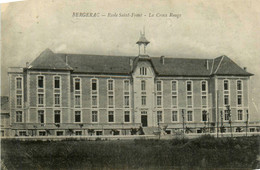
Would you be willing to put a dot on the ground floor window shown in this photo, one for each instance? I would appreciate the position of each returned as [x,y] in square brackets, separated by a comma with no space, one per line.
[94,116]
[19,116]
[159,116]
[127,116]
[59,133]
[42,133]
[226,115]
[22,133]
[174,116]
[40,116]
[110,116]
[252,129]
[2,133]
[240,115]
[99,133]
[189,116]
[78,133]
[56,116]
[77,116]
[204,116]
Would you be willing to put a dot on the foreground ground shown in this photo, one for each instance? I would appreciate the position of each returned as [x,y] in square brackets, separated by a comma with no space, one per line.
[204,152]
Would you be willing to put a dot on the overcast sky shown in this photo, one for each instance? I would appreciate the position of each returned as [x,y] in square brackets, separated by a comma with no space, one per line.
[205,29]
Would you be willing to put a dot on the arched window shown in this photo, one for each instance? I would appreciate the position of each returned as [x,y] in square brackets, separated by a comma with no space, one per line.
[143,71]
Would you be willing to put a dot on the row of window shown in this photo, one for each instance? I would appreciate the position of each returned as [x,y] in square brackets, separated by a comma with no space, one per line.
[111,116]
[77,116]
[126,84]
[238,86]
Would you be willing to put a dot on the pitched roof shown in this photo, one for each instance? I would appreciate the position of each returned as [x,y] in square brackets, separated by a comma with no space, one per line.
[103,64]
[48,60]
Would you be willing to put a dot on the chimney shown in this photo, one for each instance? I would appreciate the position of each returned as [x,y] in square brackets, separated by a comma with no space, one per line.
[245,68]
[207,64]
[27,64]
[131,63]
[162,59]
[66,59]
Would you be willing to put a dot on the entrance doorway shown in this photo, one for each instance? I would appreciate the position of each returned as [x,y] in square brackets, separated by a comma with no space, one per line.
[144,120]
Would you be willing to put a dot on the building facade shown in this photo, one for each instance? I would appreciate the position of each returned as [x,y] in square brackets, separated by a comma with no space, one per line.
[75,94]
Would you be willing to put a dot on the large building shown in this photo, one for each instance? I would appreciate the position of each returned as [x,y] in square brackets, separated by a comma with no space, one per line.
[79,94]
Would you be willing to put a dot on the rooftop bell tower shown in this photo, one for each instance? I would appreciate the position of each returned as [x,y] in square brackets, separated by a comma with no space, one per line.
[142,43]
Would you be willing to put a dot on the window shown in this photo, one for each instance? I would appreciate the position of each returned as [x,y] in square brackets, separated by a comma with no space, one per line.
[77,84]
[57,116]
[174,101]
[78,133]
[189,100]
[19,116]
[189,116]
[225,84]
[22,133]
[159,116]
[94,116]
[203,86]
[42,133]
[126,102]
[174,86]
[143,85]
[239,115]
[226,115]
[59,133]
[127,116]
[19,100]
[77,116]
[40,82]
[18,83]
[226,99]
[110,116]
[189,88]
[126,85]
[143,100]
[204,100]
[110,85]
[57,99]
[239,85]
[239,99]
[99,133]
[77,100]
[174,116]
[56,82]
[159,100]
[110,100]
[40,116]
[40,98]
[204,116]
[159,86]
[94,100]
[94,84]
[143,71]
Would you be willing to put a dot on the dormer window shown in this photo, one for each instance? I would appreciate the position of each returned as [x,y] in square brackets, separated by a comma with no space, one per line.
[143,71]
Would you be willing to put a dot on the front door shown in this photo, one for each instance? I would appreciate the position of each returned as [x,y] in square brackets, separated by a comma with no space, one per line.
[144,120]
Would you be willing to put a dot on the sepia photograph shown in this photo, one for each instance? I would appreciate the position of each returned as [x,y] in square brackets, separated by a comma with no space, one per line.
[120,84]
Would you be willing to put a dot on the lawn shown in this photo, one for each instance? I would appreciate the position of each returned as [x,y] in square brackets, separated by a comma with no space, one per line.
[204,152]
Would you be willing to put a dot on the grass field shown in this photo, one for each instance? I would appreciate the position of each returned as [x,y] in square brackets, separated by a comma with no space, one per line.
[204,152]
